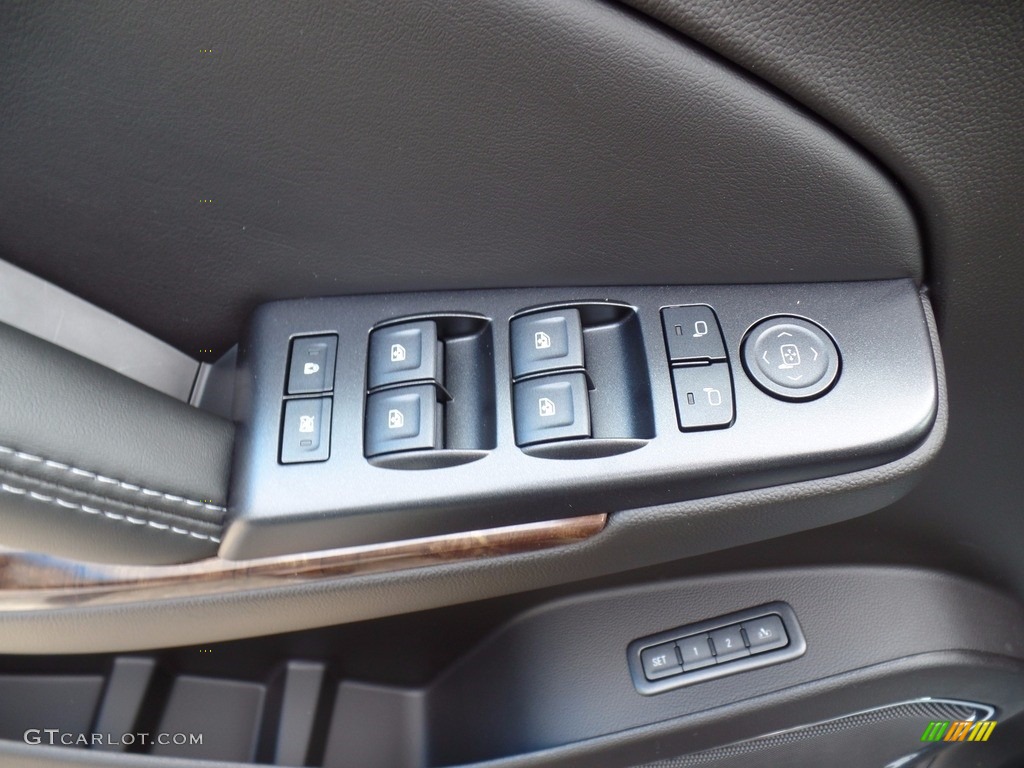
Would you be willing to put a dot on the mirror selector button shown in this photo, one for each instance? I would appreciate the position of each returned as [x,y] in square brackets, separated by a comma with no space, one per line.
[728,644]
[312,364]
[791,358]
[692,334]
[306,432]
[765,634]
[403,419]
[703,396]
[405,352]
[546,341]
[661,661]
[551,408]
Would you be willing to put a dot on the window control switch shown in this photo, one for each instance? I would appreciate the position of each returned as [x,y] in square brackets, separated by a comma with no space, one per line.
[306,432]
[546,341]
[403,419]
[551,408]
[405,352]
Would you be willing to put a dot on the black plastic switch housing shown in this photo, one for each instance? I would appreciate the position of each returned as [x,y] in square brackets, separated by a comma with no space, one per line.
[716,647]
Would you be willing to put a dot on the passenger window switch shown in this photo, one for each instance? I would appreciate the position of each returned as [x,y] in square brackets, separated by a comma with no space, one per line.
[551,408]
[404,353]
[403,419]
[546,341]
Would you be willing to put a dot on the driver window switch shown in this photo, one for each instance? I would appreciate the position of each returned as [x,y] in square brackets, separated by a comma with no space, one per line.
[403,419]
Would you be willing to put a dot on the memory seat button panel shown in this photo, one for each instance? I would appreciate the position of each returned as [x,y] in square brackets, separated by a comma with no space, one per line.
[699,652]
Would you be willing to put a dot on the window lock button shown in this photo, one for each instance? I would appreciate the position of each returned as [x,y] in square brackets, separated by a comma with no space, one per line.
[306,434]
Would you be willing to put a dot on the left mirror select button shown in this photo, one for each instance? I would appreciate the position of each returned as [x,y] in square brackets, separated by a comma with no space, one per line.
[306,435]
[312,364]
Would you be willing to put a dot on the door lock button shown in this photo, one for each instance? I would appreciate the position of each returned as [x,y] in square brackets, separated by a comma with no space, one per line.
[312,364]
[692,334]
[703,396]
[791,358]
[405,352]
[546,341]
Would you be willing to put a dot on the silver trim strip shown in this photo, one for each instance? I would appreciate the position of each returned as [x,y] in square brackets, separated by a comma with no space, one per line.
[40,308]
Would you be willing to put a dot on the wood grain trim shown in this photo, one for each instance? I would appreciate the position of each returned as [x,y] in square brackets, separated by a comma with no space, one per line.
[31,581]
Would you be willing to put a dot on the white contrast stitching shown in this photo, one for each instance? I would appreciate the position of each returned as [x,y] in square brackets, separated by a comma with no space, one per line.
[111,515]
[109,480]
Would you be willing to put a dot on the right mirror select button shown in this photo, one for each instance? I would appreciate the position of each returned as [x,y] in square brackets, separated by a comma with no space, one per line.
[791,358]
[765,634]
